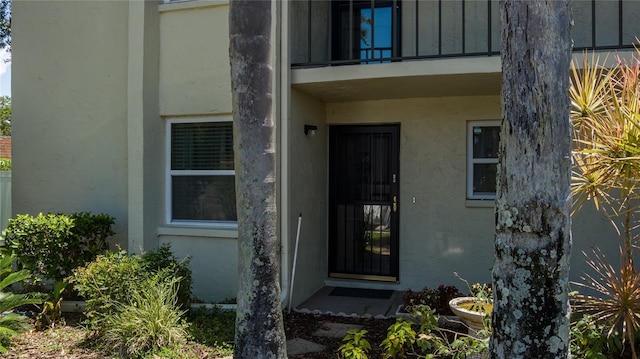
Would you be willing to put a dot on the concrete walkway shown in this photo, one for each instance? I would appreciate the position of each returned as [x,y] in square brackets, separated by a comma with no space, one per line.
[322,302]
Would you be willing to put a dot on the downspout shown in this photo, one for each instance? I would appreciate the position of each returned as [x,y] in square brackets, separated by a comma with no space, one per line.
[281,29]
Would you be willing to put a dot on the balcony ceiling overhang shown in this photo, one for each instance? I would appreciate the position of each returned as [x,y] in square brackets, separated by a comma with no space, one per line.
[443,77]
[475,76]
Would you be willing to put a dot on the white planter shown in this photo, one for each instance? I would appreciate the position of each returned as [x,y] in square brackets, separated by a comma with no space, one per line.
[475,320]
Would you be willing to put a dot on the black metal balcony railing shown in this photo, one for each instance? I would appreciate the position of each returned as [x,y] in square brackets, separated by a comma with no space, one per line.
[338,32]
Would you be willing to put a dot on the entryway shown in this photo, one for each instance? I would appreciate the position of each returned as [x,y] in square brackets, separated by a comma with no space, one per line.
[364,202]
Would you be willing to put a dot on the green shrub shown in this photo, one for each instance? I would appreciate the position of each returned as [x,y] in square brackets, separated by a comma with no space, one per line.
[113,277]
[162,259]
[52,245]
[149,320]
[5,164]
[589,339]
[107,280]
[354,345]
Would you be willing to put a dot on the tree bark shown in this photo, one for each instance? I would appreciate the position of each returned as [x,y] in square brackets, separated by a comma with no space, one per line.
[533,228]
[259,322]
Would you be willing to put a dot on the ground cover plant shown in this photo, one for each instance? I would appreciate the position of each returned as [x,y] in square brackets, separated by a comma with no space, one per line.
[11,323]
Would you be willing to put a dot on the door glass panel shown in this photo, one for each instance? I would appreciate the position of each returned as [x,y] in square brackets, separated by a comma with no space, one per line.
[364,234]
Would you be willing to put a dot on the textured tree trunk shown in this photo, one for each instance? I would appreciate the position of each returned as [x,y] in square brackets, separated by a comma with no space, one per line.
[259,323]
[533,227]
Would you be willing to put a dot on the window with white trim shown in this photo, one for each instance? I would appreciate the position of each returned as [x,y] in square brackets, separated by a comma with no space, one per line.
[483,141]
[200,171]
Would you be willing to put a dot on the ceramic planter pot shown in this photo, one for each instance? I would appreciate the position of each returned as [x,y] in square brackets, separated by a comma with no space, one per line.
[474,319]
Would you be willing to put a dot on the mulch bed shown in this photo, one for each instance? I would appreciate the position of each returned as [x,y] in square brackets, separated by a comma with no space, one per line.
[71,341]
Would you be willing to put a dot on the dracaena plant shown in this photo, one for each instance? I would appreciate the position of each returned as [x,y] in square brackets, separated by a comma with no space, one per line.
[606,115]
[617,304]
[605,111]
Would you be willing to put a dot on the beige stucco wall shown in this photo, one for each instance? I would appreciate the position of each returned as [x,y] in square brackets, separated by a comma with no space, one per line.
[69,91]
[308,194]
[442,232]
[194,81]
[194,59]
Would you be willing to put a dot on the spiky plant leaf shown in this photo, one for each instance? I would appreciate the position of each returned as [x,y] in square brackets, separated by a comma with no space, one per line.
[617,304]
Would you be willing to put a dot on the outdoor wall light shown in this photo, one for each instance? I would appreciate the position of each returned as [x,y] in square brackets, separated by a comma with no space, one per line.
[310,130]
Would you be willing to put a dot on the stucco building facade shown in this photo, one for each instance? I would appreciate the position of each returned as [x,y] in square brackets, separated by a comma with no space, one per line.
[124,107]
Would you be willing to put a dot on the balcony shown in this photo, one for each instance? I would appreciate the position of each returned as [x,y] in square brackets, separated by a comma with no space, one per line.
[344,32]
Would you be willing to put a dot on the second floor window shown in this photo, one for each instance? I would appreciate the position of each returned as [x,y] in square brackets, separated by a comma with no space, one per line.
[483,141]
[201,175]
[366,31]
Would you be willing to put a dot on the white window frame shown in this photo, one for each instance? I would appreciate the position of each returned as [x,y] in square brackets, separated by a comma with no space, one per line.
[170,173]
[472,161]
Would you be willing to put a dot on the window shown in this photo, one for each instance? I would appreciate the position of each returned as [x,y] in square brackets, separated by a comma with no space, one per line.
[200,175]
[482,159]
[367,31]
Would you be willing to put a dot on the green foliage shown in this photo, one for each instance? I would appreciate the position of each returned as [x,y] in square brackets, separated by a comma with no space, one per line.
[149,320]
[589,340]
[13,323]
[109,279]
[113,277]
[162,259]
[52,245]
[5,24]
[354,346]
[429,341]
[5,102]
[5,164]
[400,338]
[51,313]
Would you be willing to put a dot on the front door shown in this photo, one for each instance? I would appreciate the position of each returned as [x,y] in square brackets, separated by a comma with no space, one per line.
[363,200]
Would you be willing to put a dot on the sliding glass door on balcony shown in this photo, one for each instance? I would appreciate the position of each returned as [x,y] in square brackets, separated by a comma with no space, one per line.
[365,31]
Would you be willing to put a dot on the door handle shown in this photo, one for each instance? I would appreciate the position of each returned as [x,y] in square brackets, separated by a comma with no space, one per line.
[395,204]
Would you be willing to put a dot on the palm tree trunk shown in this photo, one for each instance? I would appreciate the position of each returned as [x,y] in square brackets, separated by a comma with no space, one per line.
[259,322]
[533,229]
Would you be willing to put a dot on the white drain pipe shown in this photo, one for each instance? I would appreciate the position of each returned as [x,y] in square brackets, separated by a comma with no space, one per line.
[295,259]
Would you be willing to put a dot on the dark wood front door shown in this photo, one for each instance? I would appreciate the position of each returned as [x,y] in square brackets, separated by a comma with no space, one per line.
[364,202]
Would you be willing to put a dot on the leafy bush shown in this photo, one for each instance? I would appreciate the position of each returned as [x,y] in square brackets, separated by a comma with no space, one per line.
[105,281]
[428,341]
[113,277]
[12,323]
[52,245]
[589,340]
[149,320]
[5,164]
[162,259]
[354,346]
